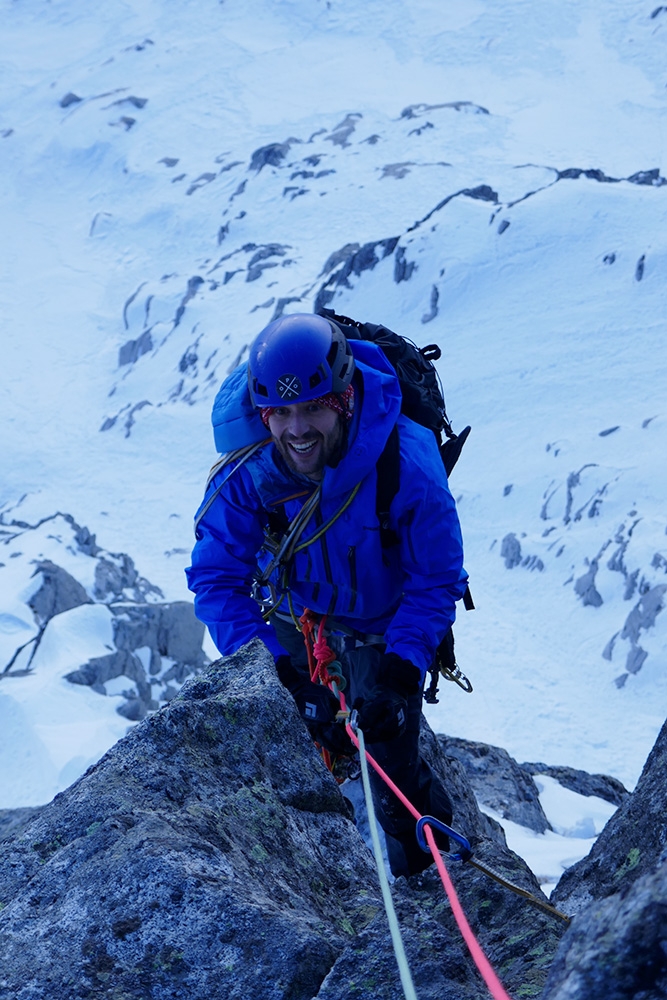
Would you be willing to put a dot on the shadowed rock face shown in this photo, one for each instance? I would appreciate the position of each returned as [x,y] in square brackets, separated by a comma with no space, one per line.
[498,781]
[617,946]
[207,852]
[210,855]
[630,844]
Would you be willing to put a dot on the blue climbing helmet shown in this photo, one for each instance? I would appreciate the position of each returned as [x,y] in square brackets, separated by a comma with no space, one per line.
[297,358]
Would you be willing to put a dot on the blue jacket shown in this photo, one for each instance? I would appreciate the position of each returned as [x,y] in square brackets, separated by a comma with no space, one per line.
[406,592]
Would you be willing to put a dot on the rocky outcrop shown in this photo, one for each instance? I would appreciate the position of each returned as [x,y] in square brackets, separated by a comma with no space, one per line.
[604,786]
[157,647]
[59,591]
[499,782]
[211,855]
[631,843]
[617,946]
[156,644]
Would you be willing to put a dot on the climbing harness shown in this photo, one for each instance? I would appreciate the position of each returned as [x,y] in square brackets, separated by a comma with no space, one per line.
[288,547]
[325,668]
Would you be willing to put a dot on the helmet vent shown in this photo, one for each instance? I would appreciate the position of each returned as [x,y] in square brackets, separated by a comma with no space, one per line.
[318,376]
[259,389]
[332,354]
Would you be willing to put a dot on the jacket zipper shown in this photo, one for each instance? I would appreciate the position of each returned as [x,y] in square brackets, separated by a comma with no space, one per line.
[352,560]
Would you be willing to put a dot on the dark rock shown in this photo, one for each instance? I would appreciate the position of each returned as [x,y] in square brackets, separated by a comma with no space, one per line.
[271,155]
[639,270]
[631,843]
[209,855]
[482,192]
[258,262]
[403,269]
[468,818]
[171,629]
[85,540]
[433,305]
[194,284]
[353,260]
[281,303]
[617,946]
[518,941]
[201,181]
[59,592]
[342,132]
[117,579]
[650,177]
[69,99]
[14,821]
[132,350]
[573,173]
[193,860]
[602,785]
[498,781]
[414,110]
[503,225]
[585,588]
[510,550]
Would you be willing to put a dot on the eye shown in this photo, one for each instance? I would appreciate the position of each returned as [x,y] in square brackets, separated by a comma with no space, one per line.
[279,411]
[314,408]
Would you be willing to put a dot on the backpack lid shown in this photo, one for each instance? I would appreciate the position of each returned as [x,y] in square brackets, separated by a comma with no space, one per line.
[236,422]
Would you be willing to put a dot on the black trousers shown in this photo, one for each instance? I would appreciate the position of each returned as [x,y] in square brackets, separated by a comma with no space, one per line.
[399,757]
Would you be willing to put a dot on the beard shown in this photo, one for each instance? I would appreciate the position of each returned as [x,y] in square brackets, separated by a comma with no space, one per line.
[309,454]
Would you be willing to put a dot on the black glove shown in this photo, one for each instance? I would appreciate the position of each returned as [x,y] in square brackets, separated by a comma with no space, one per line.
[398,674]
[384,714]
[333,737]
[316,703]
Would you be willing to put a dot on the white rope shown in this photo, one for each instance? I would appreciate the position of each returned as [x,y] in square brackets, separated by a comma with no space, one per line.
[396,940]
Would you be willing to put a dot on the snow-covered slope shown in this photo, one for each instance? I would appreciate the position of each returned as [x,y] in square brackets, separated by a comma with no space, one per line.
[488,178]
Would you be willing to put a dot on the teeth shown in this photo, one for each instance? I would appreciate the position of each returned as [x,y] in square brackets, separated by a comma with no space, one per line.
[302,449]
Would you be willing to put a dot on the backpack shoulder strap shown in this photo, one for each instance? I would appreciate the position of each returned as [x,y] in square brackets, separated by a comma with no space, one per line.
[388,481]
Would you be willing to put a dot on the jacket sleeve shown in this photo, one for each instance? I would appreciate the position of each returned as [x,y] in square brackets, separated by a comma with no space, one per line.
[224,557]
[431,553]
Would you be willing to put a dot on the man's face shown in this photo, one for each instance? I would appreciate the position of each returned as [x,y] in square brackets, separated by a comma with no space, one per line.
[307,435]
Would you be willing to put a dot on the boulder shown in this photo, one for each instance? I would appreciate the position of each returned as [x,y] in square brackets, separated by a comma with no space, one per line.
[602,785]
[498,781]
[59,591]
[210,854]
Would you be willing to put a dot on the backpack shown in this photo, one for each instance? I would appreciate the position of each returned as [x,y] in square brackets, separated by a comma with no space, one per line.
[424,402]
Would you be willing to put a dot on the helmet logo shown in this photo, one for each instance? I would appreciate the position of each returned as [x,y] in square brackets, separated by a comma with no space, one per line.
[288,387]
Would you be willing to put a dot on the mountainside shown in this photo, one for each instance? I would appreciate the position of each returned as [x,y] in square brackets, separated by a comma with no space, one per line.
[489,179]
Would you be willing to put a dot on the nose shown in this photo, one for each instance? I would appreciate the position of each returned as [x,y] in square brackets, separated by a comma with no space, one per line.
[298,424]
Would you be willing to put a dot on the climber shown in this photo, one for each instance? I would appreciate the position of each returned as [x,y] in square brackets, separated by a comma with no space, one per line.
[298,512]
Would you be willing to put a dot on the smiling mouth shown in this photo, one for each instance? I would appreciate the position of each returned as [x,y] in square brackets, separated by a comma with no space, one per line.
[303,448]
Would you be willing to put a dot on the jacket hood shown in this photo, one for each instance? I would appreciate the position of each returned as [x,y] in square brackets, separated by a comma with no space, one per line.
[375,414]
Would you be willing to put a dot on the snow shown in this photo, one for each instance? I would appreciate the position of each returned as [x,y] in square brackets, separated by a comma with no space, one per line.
[576,820]
[135,216]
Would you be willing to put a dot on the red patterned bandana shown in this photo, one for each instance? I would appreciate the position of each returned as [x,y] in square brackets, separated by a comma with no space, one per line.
[342,403]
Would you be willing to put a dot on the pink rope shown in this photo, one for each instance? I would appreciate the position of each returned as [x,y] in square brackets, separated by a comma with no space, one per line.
[494,985]
[322,657]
